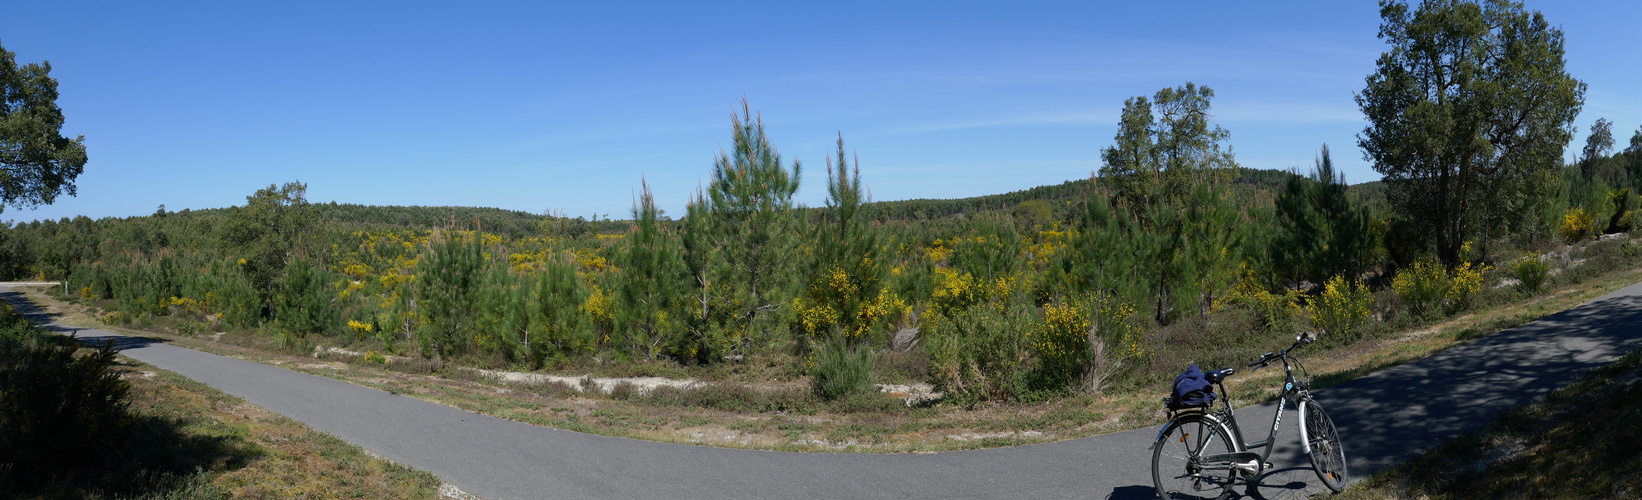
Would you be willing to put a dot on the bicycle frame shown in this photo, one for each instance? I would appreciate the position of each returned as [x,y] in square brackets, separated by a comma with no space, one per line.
[1295,392]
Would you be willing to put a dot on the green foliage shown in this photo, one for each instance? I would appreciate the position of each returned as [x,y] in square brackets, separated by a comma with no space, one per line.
[845,293]
[843,368]
[1530,272]
[1341,310]
[36,162]
[60,414]
[1623,203]
[983,352]
[1468,115]
[1032,214]
[649,294]
[1322,232]
[447,292]
[560,297]
[306,303]
[1165,146]
[749,202]
[268,233]
[993,252]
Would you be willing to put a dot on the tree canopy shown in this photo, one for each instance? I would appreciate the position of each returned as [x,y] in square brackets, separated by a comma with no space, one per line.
[36,162]
[1469,112]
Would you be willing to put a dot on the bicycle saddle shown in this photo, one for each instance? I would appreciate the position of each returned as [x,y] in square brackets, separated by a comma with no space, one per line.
[1216,376]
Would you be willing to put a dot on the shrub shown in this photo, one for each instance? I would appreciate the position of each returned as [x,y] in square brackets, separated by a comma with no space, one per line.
[1421,286]
[1082,346]
[1464,282]
[1531,272]
[1426,288]
[59,413]
[981,353]
[1276,311]
[1341,309]
[1578,225]
[842,369]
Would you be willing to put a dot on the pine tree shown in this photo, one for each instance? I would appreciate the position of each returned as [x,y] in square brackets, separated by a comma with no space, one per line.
[648,290]
[750,200]
[845,293]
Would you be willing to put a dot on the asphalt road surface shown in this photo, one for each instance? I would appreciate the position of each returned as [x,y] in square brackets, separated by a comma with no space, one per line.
[1383,418]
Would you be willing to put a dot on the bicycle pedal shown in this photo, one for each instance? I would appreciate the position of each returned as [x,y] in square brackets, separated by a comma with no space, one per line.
[1251,466]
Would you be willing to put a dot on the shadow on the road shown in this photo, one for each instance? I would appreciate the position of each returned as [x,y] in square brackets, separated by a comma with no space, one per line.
[1399,412]
[1133,493]
[87,336]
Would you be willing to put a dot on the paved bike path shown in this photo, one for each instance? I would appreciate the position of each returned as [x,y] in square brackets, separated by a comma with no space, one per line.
[1383,418]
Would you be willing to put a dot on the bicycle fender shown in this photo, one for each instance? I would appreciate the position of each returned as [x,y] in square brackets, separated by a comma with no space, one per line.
[1171,424]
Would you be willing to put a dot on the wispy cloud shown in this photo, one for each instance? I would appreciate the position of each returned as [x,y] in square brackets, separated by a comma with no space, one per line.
[1021,120]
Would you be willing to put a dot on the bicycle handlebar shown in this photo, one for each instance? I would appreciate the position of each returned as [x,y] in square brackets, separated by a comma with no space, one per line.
[1267,358]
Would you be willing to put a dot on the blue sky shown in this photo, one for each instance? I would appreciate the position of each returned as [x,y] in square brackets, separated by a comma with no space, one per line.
[543,107]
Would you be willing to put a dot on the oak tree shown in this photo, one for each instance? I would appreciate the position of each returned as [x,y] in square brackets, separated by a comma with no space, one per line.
[1468,115]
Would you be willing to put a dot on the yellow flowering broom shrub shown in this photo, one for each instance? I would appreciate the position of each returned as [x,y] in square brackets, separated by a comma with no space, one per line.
[1578,225]
[1341,309]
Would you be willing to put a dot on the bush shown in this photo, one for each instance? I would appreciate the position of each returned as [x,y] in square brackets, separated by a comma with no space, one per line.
[1426,288]
[1578,225]
[1422,287]
[841,369]
[1341,309]
[60,414]
[981,353]
[1082,346]
[1276,312]
[1464,282]
[1530,272]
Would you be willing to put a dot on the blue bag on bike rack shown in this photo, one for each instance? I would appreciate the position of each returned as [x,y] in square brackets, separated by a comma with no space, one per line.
[1191,390]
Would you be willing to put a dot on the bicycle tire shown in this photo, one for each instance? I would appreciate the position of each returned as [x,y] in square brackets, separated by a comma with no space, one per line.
[1328,456]
[1176,455]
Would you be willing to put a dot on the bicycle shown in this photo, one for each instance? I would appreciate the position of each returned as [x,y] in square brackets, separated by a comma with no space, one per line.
[1202,449]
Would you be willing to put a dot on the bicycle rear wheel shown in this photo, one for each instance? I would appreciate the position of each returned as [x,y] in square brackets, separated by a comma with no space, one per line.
[1328,457]
[1178,468]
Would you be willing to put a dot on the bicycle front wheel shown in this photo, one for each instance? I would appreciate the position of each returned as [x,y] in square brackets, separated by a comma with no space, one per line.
[1179,470]
[1328,457]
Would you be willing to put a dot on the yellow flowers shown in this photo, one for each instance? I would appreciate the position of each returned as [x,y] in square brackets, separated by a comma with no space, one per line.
[825,305]
[1465,281]
[184,305]
[597,306]
[357,271]
[591,261]
[937,252]
[360,329]
[1578,225]
[1426,284]
[1065,343]
[954,291]
[1342,307]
